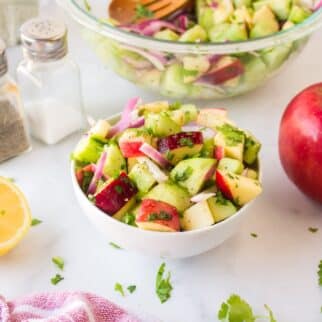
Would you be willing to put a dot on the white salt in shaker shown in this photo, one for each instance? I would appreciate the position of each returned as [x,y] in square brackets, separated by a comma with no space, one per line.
[49,81]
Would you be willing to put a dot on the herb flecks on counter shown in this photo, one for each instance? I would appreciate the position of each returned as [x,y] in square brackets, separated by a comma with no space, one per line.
[237,309]
[131,288]
[115,245]
[59,262]
[56,279]
[254,235]
[87,6]
[35,222]
[163,285]
[119,288]
[313,230]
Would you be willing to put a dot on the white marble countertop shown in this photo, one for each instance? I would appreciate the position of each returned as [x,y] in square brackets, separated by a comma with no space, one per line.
[278,268]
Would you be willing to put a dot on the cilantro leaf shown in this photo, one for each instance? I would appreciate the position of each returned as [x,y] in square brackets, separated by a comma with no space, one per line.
[254,235]
[320,273]
[163,286]
[183,176]
[36,222]
[236,309]
[129,219]
[142,11]
[270,312]
[56,279]
[313,229]
[115,245]
[131,288]
[119,288]
[59,262]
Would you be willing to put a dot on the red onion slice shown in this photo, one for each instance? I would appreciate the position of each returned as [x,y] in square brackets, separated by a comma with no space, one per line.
[157,174]
[97,174]
[155,155]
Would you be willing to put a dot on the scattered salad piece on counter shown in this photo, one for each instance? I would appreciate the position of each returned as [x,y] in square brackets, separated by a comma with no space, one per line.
[131,288]
[254,235]
[115,245]
[168,167]
[163,286]
[236,309]
[56,279]
[119,288]
[313,230]
[87,5]
[59,262]
[35,222]
[320,273]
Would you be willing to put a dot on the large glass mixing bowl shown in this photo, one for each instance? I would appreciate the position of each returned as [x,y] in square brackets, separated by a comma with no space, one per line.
[237,67]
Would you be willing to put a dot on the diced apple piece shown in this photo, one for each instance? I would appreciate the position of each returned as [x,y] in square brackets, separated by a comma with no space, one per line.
[250,173]
[131,162]
[224,71]
[221,208]
[232,139]
[117,196]
[185,114]
[239,189]
[231,165]
[131,140]
[198,216]
[170,193]
[142,177]
[181,145]
[155,107]
[158,216]
[212,117]
[100,130]
[193,173]
[219,152]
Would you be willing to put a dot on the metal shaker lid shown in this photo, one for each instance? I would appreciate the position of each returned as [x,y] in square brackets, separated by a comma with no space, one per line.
[44,39]
[3,58]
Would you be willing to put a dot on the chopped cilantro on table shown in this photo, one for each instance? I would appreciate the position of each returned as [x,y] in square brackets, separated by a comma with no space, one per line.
[115,245]
[254,235]
[35,222]
[141,11]
[119,288]
[235,309]
[56,279]
[59,262]
[163,286]
[313,230]
[131,288]
[320,273]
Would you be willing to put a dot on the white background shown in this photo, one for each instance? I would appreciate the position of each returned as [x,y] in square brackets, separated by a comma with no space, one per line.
[278,268]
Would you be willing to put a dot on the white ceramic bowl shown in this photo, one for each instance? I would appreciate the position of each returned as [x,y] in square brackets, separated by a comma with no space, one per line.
[160,244]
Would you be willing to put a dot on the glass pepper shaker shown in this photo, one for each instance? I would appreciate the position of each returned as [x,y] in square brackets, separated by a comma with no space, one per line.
[50,81]
[14,138]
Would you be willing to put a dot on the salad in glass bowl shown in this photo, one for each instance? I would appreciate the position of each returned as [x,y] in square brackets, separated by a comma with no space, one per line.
[217,49]
[168,167]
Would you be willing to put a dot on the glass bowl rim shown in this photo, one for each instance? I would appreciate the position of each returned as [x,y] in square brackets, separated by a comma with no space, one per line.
[85,18]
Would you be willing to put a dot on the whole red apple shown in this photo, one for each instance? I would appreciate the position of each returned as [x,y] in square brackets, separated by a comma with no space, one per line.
[300,141]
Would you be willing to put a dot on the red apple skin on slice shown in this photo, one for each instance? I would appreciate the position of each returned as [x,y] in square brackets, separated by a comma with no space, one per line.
[151,213]
[115,195]
[219,152]
[180,145]
[131,149]
[224,74]
[223,186]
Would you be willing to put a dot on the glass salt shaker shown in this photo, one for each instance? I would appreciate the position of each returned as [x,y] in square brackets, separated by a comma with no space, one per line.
[13,13]
[14,138]
[50,81]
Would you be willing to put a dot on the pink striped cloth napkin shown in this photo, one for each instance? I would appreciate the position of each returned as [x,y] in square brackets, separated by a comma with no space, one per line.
[64,307]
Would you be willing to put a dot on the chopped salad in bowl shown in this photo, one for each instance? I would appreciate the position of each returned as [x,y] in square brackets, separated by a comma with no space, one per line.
[215,49]
[168,167]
